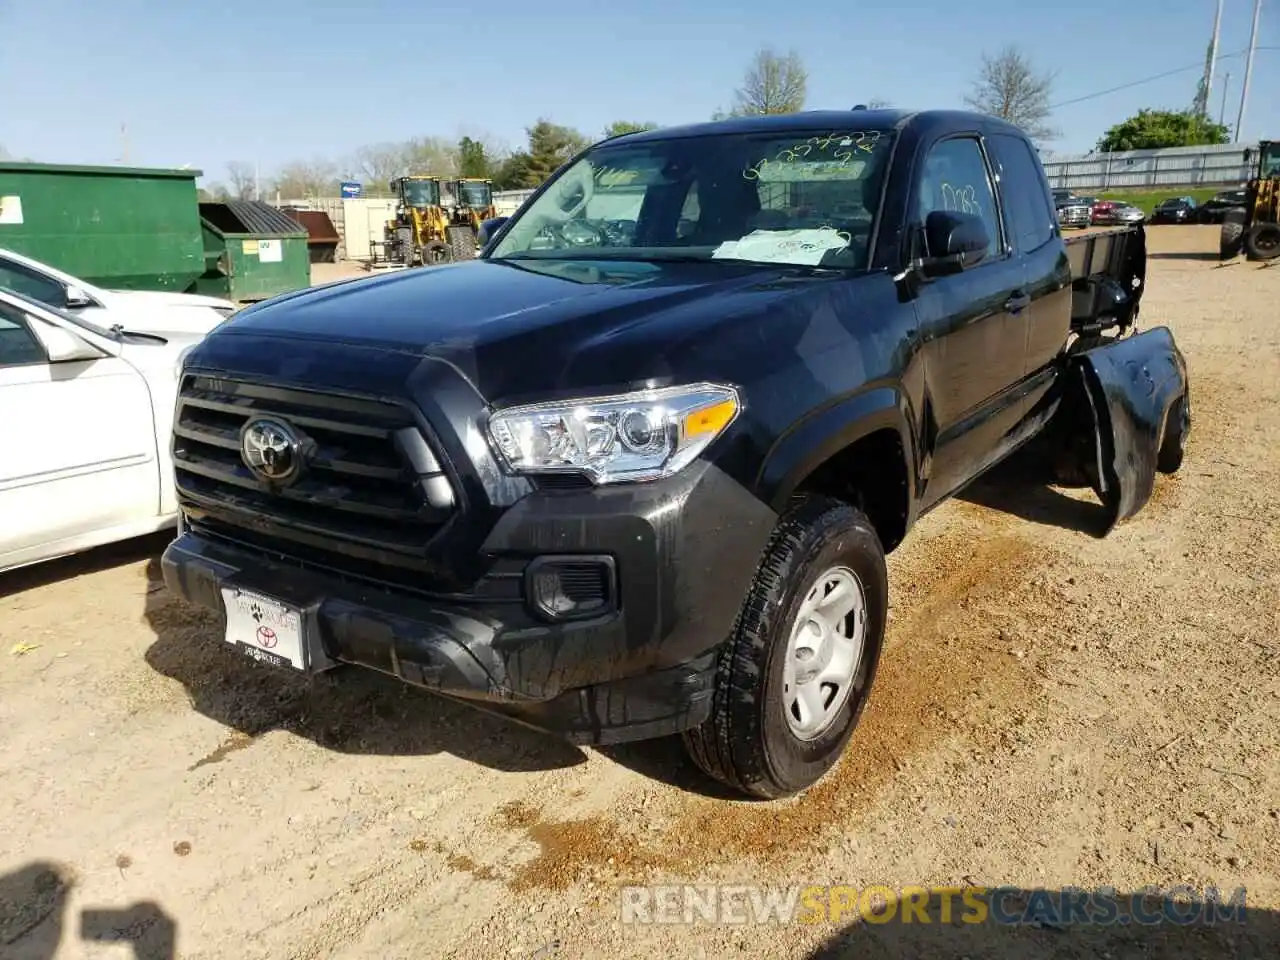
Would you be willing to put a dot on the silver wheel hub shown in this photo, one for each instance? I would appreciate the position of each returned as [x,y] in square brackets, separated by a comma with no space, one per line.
[824,652]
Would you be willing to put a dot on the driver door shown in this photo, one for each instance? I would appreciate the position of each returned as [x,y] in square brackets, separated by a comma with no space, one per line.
[78,441]
[972,324]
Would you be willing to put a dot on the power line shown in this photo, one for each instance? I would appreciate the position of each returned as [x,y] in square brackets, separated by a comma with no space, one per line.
[1158,76]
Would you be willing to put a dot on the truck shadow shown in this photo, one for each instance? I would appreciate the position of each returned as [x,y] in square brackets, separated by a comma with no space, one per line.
[1020,486]
[348,710]
[33,901]
[1173,938]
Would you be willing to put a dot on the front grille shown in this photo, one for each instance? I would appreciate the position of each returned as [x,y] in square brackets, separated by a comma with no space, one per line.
[371,496]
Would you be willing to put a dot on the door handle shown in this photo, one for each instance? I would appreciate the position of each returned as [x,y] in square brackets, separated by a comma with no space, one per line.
[1019,301]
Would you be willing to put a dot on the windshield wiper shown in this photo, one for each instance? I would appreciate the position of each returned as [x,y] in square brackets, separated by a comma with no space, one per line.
[119,332]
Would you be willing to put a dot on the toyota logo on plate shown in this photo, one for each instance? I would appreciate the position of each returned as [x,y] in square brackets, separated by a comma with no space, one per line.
[267,638]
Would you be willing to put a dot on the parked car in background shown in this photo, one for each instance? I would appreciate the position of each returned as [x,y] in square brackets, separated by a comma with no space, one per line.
[1176,210]
[86,414]
[1072,211]
[1127,213]
[1100,212]
[1214,209]
[145,311]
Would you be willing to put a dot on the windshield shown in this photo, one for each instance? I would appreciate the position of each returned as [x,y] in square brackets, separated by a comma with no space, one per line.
[804,198]
[474,194]
[1172,203]
[421,193]
[1271,160]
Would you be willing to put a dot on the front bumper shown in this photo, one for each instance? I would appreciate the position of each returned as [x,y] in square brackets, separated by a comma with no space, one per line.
[684,552]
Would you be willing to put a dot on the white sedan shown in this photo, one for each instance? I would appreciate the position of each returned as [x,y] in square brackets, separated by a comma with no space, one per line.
[146,311]
[85,418]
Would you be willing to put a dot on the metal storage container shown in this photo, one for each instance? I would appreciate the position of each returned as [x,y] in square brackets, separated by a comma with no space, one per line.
[123,228]
[252,251]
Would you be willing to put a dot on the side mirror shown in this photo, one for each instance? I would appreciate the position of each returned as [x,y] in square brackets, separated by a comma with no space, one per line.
[63,346]
[488,228]
[75,298]
[954,242]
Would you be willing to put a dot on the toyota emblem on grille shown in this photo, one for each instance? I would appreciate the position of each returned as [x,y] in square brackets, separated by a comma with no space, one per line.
[271,450]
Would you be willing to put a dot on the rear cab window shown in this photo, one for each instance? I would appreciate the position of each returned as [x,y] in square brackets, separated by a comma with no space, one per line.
[1024,190]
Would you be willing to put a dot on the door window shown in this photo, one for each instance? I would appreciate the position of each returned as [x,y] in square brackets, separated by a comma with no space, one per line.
[35,285]
[18,345]
[955,178]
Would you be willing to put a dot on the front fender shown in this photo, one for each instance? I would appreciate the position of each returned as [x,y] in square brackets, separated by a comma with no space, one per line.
[827,431]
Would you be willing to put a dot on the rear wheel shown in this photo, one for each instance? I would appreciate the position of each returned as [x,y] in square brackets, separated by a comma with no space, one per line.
[1262,242]
[1231,239]
[462,242]
[794,676]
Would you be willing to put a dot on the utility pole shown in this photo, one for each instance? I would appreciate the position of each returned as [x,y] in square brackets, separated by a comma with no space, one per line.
[1202,105]
[1248,68]
[1222,111]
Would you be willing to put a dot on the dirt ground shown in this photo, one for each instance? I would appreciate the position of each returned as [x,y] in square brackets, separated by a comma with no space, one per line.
[1053,709]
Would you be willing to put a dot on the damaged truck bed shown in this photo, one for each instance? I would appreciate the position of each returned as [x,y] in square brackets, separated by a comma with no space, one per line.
[634,471]
[1125,409]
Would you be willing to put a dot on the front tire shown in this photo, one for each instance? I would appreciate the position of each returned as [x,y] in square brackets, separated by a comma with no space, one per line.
[1231,239]
[794,676]
[1262,242]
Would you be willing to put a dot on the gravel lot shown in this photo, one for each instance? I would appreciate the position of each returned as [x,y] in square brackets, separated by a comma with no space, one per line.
[1053,709]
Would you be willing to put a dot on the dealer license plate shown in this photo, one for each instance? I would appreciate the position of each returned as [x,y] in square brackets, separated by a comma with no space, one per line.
[264,629]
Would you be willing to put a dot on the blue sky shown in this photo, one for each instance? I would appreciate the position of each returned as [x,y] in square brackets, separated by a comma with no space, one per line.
[278,80]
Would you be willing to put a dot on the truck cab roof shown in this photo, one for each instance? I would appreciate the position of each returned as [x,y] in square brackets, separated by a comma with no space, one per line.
[888,119]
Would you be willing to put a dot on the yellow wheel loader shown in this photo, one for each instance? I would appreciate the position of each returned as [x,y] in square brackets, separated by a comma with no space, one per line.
[469,201]
[417,233]
[1255,229]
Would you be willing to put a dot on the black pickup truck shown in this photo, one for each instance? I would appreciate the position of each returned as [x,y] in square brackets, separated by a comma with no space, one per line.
[634,471]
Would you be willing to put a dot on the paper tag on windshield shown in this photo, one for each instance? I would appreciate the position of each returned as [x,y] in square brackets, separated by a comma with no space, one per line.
[783,246]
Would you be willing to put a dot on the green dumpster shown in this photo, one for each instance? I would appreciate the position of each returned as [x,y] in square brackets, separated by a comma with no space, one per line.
[252,251]
[123,228]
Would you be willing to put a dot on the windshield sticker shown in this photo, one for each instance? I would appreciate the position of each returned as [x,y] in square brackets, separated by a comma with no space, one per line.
[806,247]
[834,150]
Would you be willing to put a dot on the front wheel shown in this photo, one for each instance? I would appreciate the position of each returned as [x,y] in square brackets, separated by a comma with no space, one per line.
[1231,239]
[794,676]
[1262,242]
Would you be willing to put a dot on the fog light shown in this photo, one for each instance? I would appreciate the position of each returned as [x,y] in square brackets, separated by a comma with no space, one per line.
[570,588]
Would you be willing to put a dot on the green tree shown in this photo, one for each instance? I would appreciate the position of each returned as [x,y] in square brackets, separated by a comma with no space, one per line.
[473,159]
[431,155]
[1153,129]
[550,145]
[620,127]
[1009,87]
[774,83]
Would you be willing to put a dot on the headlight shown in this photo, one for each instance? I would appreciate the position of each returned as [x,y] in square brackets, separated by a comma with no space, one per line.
[644,435]
[182,360]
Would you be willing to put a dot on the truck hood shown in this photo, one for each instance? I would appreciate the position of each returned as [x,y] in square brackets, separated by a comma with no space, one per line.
[527,325]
